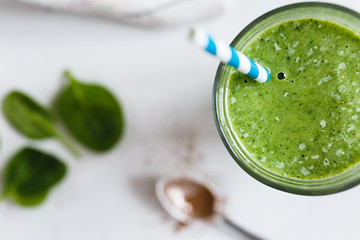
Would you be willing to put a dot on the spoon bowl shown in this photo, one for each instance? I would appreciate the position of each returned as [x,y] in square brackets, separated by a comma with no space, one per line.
[186,199]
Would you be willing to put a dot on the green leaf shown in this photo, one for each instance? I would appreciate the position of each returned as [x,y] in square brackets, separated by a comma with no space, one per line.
[27,116]
[31,119]
[91,114]
[30,174]
[30,200]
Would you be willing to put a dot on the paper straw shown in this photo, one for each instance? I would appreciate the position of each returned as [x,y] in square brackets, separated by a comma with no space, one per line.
[228,55]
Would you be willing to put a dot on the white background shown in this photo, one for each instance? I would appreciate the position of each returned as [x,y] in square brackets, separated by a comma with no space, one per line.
[165,87]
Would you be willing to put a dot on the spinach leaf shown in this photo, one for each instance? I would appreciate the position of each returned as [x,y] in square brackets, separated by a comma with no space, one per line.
[30,200]
[27,116]
[90,113]
[30,174]
[31,119]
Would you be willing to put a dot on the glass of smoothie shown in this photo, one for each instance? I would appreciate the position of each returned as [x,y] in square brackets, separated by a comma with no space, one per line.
[300,131]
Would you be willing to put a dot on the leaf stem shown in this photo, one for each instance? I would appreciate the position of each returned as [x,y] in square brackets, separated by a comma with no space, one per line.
[69,76]
[4,194]
[2,197]
[67,144]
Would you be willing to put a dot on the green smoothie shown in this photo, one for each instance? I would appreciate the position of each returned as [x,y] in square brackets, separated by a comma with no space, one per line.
[304,123]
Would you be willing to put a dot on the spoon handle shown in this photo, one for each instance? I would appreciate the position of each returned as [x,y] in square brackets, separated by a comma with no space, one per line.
[240,229]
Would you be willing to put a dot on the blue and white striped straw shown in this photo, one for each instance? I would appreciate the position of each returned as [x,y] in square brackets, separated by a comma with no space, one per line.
[228,55]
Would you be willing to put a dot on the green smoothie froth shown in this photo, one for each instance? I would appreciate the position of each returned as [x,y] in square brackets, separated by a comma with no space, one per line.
[306,125]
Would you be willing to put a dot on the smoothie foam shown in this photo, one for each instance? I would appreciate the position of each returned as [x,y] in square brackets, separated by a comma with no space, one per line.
[306,125]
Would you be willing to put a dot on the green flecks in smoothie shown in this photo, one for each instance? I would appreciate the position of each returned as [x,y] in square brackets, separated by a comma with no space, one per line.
[305,125]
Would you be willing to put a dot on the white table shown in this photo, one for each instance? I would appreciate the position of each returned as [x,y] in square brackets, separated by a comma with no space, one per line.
[165,86]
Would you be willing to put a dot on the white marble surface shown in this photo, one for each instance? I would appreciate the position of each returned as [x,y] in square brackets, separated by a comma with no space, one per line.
[165,86]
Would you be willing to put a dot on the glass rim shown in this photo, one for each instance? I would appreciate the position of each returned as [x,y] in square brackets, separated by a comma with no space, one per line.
[297,186]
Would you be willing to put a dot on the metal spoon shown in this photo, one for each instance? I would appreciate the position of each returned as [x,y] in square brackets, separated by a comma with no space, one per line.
[186,200]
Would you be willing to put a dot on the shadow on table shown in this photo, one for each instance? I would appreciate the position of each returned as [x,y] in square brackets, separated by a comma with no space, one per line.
[144,187]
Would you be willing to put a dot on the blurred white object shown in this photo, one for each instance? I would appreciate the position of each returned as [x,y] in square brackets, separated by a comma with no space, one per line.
[143,12]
